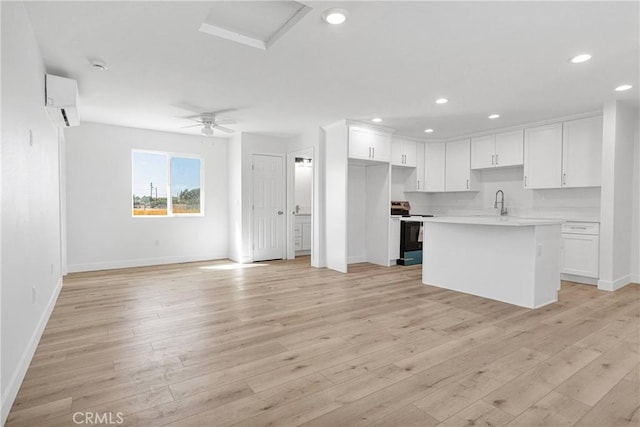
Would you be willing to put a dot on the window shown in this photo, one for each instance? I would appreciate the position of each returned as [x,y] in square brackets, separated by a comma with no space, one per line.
[156,175]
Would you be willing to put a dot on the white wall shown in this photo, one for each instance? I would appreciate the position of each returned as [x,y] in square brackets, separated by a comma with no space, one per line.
[30,202]
[616,242]
[356,213]
[334,160]
[102,233]
[235,197]
[635,223]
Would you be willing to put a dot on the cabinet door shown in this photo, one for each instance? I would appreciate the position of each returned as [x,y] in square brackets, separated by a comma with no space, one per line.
[359,143]
[434,171]
[420,165]
[458,166]
[582,152]
[509,148]
[409,150]
[483,152]
[394,239]
[543,156]
[397,153]
[580,254]
[306,237]
[381,145]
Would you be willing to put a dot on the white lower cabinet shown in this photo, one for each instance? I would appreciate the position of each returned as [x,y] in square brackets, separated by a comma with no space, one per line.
[302,233]
[580,249]
[394,240]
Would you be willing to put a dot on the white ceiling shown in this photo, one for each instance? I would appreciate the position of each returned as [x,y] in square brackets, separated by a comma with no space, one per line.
[390,59]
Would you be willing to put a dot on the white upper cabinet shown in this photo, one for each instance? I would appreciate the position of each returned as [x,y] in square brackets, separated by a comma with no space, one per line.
[458,166]
[368,144]
[434,167]
[565,154]
[483,152]
[403,153]
[503,149]
[543,156]
[420,166]
[582,152]
[509,149]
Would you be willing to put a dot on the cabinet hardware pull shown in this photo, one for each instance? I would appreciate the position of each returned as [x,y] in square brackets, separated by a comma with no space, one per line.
[525,180]
[369,152]
[493,156]
[578,228]
[418,187]
[496,159]
[564,179]
[467,184]
[374,153]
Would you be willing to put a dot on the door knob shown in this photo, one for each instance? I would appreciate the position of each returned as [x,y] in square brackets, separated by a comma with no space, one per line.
[280,212]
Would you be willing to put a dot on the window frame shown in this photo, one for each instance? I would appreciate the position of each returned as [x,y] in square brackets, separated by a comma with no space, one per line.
[169,155]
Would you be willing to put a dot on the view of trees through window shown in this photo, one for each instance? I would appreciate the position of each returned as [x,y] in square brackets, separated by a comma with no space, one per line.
[156,175]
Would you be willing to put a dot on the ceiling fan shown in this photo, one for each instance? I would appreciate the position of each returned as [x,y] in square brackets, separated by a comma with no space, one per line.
[210,120]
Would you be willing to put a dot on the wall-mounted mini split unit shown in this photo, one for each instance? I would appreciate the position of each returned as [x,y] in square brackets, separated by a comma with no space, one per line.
[60,99]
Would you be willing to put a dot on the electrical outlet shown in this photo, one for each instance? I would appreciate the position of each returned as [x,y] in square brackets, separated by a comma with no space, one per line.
[33,295]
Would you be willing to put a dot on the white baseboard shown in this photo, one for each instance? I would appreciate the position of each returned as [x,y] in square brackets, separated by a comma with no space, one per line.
[25,360]
[635,278]
[579,279]
[609,285]
[142,262]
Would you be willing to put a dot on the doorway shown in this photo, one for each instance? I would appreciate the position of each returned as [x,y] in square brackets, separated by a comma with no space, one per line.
[300,204]
[303,175]
[268,207]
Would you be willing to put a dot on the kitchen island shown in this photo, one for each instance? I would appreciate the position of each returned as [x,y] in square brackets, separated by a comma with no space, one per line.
[514,260]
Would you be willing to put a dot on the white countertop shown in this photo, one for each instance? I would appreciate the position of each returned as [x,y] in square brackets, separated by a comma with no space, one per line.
[509,221]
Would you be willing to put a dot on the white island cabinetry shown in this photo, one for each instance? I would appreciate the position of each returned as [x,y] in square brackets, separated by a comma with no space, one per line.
[513,260]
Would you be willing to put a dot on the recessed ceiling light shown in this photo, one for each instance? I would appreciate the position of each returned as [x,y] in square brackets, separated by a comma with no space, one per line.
[622,88]
[428,130]
[335,16]
[376,120]
[494,116]
[442,101]
[581,58]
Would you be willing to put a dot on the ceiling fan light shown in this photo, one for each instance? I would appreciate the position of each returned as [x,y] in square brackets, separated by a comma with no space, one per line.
[207,131]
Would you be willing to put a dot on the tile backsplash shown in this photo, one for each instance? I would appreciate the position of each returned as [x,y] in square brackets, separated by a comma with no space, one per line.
[565,203]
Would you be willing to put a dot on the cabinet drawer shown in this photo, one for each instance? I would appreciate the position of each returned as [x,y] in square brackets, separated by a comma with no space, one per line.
[297,229]
[298,244]
[581,228]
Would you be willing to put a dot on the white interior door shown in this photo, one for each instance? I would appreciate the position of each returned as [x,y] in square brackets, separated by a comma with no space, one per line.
[268,207]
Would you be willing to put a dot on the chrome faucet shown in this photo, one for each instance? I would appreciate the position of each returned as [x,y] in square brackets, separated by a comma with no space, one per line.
[503,210]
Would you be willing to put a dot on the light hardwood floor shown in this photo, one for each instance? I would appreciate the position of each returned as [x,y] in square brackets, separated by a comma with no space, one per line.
[280,343]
